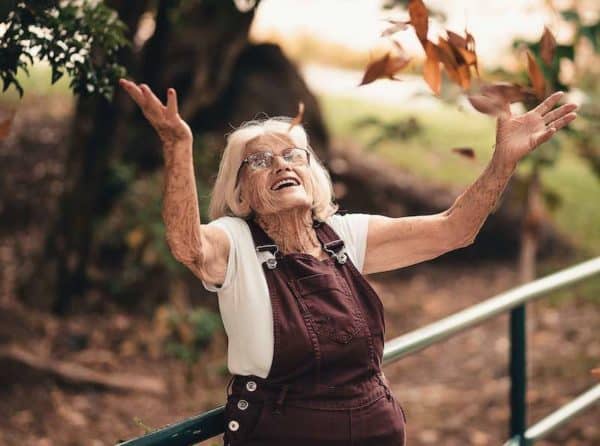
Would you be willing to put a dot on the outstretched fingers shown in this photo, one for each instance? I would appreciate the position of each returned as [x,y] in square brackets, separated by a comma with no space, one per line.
[551,128]
[172,107]
[133,91]
[559,112]
[154,108]
[548,103]
[542,136]
[562,121]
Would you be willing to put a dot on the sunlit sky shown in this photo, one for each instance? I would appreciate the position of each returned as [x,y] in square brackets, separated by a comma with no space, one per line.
[358,23]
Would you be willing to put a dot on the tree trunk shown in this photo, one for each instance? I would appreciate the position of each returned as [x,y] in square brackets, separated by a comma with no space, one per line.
[200,48]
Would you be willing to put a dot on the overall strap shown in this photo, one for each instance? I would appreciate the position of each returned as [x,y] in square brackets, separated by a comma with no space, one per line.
[330,241]
[263,242]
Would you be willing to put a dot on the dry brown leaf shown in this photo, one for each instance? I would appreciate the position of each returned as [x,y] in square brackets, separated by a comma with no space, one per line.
[456,40]
[547,46]
[508,91]
[464,49]
[467,152]
[396,25]
[464,77]
[488,104]
[431,68]
[6,120]
[419,19]
[375,69]
[386,66]
[446,54]
[596,372]
[535,75]
[299,116]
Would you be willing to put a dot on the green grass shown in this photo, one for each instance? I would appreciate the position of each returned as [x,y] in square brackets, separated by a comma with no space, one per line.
[429,155]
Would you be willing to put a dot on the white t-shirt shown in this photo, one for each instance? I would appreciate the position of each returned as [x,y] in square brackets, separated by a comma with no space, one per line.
[244,300]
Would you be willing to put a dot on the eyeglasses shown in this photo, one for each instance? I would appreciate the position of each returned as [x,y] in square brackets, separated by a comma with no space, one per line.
[295,156]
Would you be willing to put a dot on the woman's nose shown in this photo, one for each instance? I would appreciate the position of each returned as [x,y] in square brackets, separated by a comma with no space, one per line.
[279,163]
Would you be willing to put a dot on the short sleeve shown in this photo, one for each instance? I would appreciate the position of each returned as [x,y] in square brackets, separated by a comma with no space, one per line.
[231,264]
[353,229]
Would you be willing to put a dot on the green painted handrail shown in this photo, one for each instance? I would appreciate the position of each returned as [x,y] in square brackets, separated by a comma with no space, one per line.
[212,423]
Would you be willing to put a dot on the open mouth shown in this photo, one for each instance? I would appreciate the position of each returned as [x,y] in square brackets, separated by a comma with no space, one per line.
[286,182]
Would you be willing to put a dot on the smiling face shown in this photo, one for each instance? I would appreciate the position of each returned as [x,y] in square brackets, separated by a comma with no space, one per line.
[264,190]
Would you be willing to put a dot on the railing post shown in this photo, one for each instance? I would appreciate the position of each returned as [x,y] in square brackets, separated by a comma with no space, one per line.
[518,374]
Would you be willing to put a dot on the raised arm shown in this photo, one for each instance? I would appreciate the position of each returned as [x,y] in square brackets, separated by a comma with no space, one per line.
[397,242]
[203,249]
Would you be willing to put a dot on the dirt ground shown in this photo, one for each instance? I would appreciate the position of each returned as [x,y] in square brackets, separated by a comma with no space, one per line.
[454,393]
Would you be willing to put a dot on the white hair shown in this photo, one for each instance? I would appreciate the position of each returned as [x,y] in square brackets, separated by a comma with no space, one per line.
[225,196]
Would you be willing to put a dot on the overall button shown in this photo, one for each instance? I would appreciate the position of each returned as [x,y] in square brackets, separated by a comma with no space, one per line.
[251,386]
[242,404]
[234,425]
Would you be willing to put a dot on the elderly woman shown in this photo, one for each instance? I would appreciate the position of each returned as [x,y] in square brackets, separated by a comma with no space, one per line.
[305,329]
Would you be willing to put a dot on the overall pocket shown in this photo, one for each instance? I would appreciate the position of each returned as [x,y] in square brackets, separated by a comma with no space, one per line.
[331,308]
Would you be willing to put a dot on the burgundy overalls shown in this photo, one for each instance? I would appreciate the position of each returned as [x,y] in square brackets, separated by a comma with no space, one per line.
[325,386]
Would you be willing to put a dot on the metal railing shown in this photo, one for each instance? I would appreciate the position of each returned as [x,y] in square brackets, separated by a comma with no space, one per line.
[212,423]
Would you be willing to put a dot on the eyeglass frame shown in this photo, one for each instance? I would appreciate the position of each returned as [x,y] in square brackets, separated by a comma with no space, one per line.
[246,161]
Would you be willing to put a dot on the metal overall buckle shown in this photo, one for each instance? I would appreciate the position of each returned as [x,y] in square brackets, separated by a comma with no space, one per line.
[339,255]
[271,262]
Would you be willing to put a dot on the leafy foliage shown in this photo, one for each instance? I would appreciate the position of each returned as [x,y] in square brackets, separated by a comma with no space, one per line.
[76,37]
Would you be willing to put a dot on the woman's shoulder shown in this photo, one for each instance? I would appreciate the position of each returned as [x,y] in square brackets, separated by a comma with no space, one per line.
[236,228]
[230,222]
[348,221]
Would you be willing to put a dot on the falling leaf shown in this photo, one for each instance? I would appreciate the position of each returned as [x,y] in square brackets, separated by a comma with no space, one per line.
[467,152]
[419,19]
[547,46]
[451,61]
[447,55]
[464,47]
[456,40]
[6,120]
[386,66]
[375,69]
[535,75]
[431,68]
[488,104]
[508,91]
[396,25]
[299,116]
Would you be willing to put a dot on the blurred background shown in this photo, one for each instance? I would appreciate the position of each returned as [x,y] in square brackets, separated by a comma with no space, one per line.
[103,335]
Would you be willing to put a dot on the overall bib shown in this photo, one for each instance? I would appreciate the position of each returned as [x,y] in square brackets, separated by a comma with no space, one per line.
[325,386]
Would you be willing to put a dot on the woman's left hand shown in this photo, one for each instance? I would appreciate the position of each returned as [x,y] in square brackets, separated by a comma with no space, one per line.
[517,135]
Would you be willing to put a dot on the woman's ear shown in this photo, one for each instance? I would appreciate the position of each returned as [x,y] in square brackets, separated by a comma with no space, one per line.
[244,205]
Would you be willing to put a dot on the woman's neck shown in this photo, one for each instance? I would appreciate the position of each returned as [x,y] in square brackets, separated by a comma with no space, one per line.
[291,230]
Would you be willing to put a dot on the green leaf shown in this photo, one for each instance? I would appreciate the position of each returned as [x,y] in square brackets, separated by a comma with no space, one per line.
[56,75]
[566,51]
[570,15]
[593,34]
[6,7]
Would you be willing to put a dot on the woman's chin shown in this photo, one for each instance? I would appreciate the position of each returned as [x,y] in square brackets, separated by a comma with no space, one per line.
[288,204]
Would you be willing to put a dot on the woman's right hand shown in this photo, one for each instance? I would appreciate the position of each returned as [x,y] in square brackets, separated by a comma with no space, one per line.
[165,119]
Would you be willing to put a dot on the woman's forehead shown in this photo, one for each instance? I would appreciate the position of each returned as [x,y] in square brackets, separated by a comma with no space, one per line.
[269,141]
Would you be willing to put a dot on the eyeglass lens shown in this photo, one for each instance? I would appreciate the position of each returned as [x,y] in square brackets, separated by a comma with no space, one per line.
[264,159]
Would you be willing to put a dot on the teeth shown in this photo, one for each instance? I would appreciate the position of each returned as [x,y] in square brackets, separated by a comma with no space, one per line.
[283,182]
